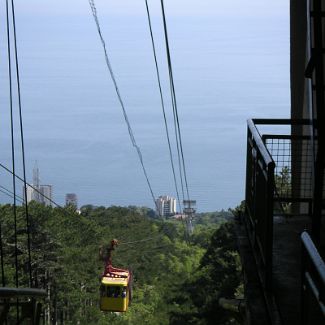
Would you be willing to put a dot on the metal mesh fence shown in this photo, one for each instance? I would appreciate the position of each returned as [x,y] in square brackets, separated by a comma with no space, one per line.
[293,157]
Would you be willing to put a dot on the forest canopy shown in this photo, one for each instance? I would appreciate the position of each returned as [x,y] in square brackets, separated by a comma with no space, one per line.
[178,279]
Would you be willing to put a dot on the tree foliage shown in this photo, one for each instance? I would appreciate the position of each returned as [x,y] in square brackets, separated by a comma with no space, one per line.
[173,279]
[218,276]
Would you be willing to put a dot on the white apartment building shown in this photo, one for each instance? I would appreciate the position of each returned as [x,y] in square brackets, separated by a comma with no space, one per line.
[166,206]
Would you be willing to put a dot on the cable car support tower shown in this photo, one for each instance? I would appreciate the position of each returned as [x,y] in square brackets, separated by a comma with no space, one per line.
[189,213]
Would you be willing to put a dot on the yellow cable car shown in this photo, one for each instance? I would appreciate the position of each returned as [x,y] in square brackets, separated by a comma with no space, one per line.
[114,292]
[115,288]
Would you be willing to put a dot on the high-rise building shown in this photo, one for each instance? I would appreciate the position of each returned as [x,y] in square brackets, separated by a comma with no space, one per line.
[166,206]
[46,194]
[39,193]
[71,199]
[36,196]
[29,193]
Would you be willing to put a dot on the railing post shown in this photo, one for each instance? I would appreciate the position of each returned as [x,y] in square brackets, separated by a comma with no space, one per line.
[269,227]
[248,177]
[248,173]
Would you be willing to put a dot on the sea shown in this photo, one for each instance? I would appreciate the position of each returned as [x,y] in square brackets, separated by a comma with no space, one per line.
[229,66]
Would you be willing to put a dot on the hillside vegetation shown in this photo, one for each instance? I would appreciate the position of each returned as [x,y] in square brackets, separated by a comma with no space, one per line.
[177,280]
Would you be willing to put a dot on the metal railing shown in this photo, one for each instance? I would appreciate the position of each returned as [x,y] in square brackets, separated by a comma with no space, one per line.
[293,155]
[27,302]
[278,178]
[259,200]
[313,283]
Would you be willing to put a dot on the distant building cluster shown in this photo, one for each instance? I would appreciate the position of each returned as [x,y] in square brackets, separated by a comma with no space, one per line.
[44,193]
[71,199]
[166,206]
[37,192]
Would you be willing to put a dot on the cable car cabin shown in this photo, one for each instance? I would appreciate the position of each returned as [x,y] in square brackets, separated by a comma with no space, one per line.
[116,284]
[115,291]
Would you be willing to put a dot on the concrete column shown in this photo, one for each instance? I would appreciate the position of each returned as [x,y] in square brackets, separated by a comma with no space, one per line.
[298,36]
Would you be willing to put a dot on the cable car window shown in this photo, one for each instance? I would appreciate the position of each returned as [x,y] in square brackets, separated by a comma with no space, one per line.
[102,290]
[110,291]
[116,292]
[124,292]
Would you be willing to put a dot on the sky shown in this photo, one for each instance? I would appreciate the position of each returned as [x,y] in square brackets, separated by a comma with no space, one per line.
[173,7]
[231,62]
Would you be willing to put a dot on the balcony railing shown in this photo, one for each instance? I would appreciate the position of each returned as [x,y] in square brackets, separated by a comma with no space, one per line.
[278,181]
[259,200]
[313,283]
[279,196]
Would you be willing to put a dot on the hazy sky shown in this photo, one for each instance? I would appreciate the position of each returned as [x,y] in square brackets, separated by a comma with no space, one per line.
[230,61]
[174,7]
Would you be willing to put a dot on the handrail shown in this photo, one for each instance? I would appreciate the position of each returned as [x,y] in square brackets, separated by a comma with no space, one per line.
[6,292]
[277,121]
[314,256]
[259,201]
[267,136]
[259,143]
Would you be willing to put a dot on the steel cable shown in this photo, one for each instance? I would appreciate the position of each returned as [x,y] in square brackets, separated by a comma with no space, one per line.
[22,143]
[162,103]
[133,141]
[12,154]
[12,142]
[174,101]
[9,193]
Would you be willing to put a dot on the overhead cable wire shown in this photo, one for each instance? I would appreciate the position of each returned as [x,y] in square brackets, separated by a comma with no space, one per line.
[178,147]
[133,141]
[9,193]
[22,142]
[174,100]
[57,205]
[162,103]
[12,144]
[140,240]
[12,155]
[143,251]
[166,125]
[31,186]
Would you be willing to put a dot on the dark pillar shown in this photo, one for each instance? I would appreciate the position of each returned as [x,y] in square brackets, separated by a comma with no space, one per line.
[298,30]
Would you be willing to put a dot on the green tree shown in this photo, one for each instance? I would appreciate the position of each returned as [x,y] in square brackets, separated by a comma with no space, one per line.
[219,275]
